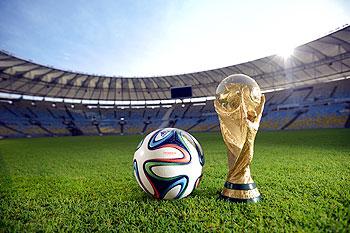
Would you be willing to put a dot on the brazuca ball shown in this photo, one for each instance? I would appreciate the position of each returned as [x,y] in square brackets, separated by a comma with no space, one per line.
[168,163]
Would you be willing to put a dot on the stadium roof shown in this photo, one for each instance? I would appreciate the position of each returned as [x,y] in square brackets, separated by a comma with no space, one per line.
[325,59]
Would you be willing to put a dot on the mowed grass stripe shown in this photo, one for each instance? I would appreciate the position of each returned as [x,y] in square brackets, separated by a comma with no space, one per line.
[87,184]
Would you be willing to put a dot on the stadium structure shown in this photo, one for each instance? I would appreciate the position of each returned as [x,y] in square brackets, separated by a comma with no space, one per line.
[309,89]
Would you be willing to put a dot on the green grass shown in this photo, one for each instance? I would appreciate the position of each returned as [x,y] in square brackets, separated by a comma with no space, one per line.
[87,184]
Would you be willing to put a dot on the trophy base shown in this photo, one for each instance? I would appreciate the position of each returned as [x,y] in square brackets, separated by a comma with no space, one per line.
[240,193]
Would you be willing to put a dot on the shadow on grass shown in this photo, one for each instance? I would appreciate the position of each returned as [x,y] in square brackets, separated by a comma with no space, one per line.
[203,193]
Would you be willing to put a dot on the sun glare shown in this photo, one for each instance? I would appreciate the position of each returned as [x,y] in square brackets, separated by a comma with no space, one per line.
[286,52]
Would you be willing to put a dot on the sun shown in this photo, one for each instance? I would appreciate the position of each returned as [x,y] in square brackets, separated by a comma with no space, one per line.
[285,52]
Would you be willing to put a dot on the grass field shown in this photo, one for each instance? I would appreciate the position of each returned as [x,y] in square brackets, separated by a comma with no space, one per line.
[87,184]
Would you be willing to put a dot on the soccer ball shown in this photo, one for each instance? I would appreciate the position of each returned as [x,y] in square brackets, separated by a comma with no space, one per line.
[168,163]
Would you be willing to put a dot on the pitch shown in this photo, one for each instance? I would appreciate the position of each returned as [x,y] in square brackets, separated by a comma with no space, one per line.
[87,184]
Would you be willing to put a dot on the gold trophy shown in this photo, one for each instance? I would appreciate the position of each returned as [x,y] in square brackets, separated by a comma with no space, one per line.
[239,104]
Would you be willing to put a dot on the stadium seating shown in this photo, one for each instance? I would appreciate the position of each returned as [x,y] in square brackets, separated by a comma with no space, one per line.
[324,105]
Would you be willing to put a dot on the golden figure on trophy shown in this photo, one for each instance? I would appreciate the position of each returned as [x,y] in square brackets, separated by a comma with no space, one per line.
[239,104]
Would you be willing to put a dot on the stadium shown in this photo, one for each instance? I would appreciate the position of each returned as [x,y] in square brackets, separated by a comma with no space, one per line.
[308,90]
[68,138]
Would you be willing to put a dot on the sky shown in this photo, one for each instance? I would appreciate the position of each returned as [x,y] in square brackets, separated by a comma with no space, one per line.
[139,38]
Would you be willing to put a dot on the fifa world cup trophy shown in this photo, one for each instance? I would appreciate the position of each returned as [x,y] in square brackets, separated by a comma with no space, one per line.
[239,104]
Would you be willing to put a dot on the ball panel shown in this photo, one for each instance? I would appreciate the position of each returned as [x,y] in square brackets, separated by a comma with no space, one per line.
[172,193]
[199,150]
[138,178]
[198,181]
[162,185]
[159,138]
[140,156]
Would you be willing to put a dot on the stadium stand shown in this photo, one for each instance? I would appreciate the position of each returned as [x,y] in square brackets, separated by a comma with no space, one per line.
[311,89]
[305,107]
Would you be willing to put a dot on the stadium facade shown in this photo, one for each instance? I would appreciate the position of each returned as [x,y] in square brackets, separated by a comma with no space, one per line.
[309,89]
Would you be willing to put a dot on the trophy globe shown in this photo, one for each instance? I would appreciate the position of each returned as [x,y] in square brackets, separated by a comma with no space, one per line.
[237,88]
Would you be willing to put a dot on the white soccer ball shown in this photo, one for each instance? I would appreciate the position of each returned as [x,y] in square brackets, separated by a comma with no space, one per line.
[168,163]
